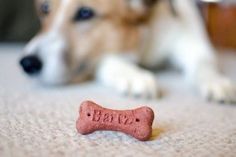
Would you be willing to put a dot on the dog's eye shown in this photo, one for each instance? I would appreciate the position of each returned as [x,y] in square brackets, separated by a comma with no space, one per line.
[83,14]
[45,8]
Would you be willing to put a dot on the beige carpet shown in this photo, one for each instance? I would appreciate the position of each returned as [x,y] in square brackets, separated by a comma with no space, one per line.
[40,121]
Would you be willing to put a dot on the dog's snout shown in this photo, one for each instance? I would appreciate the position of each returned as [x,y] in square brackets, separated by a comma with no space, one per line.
[31,64]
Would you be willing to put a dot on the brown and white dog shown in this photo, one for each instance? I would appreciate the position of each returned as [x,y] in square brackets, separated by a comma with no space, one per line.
[95,36]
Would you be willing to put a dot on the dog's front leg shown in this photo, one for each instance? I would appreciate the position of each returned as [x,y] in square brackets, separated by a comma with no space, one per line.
[195,56]
[126,77]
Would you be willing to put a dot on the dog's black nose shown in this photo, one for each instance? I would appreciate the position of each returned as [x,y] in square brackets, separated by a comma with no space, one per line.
[31,64]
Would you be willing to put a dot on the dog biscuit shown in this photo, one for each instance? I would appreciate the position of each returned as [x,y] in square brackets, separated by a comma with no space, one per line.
[137,122]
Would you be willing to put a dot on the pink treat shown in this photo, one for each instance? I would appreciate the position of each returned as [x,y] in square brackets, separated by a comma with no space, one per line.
[137,122]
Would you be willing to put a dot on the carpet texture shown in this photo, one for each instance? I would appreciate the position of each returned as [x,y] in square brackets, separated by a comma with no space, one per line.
[38,121]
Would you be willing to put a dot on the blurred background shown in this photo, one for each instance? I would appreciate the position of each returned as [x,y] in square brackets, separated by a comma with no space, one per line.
[19,22]
[220,21]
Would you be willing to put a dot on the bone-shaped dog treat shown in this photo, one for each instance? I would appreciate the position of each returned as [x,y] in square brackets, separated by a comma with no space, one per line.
[137,122]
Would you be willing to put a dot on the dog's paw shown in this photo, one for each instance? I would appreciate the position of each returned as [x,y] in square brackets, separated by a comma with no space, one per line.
[141,84]
[127,79]
[219,89]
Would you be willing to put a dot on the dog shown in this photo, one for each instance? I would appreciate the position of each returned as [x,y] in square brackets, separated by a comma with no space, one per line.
[110,39]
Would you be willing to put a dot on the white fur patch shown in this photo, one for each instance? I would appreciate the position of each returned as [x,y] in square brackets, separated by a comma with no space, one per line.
[137,4]
[55,70]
